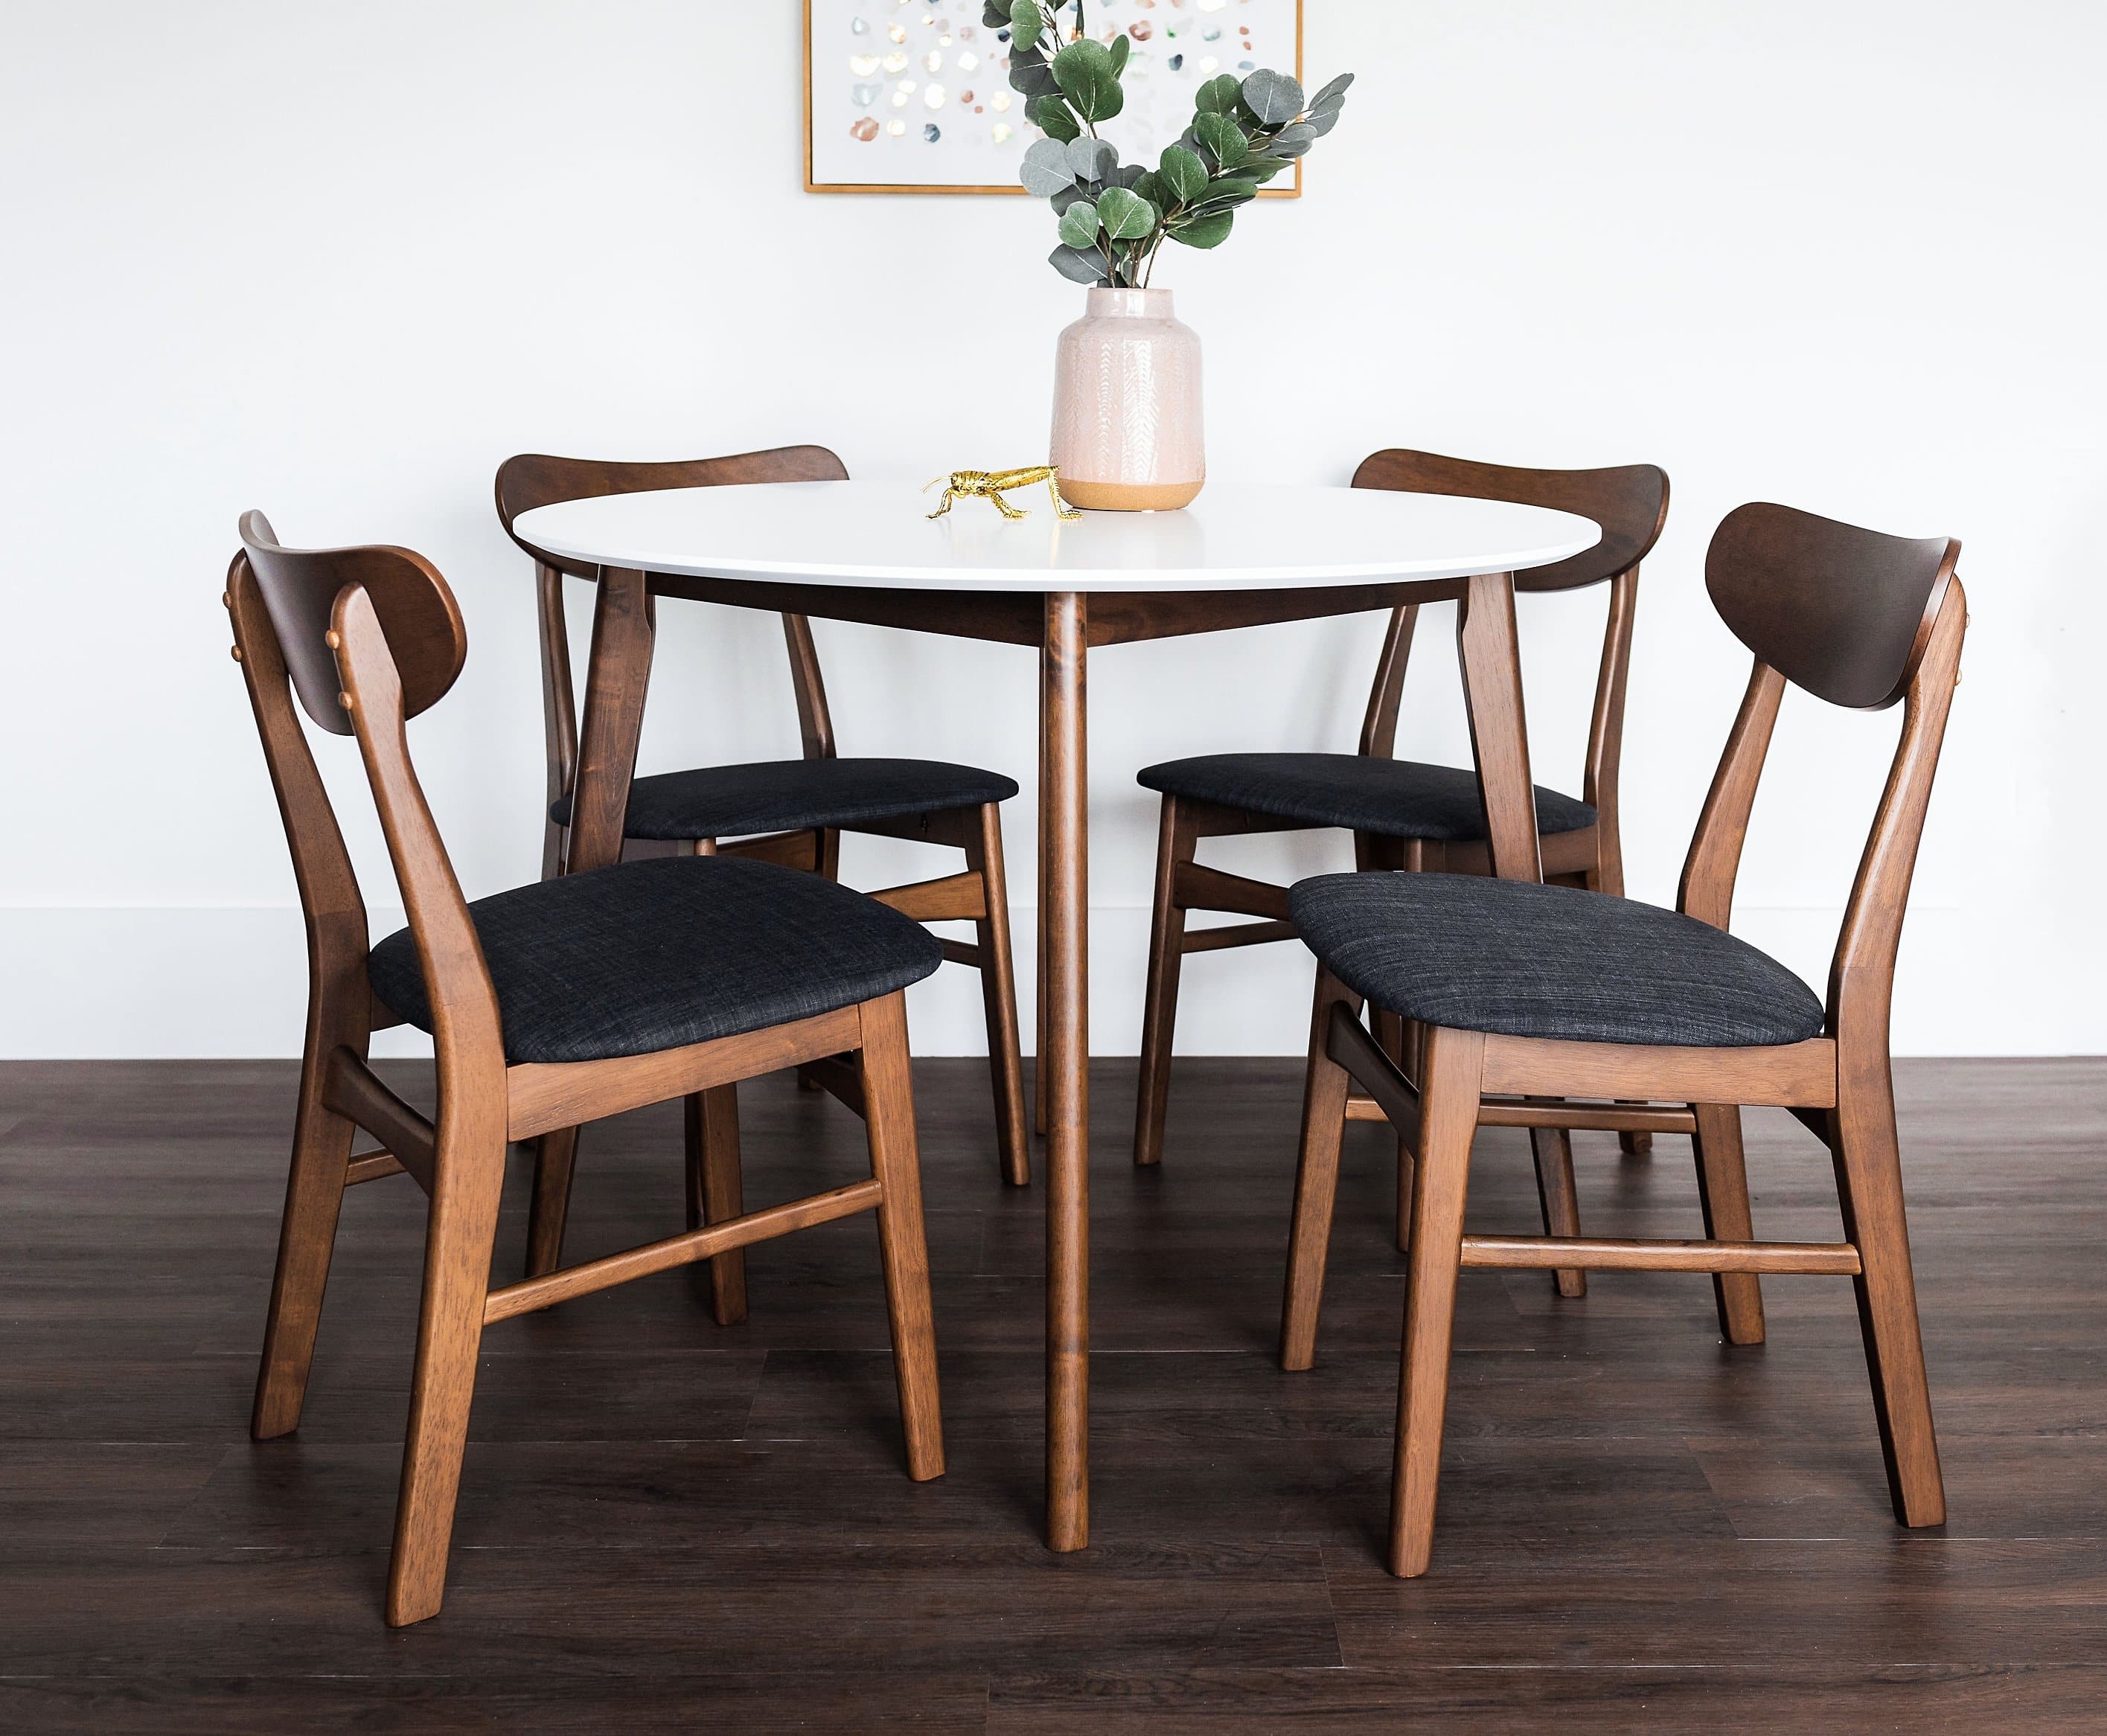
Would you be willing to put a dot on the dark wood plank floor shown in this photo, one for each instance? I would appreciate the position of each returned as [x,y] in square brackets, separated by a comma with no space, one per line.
[665,1525]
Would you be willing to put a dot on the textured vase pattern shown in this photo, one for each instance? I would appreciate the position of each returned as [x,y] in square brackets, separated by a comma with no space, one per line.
[1126,405]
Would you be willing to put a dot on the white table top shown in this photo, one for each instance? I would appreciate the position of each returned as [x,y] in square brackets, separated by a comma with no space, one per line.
[1235,537]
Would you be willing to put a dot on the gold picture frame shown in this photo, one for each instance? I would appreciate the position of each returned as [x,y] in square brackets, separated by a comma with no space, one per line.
[814,184]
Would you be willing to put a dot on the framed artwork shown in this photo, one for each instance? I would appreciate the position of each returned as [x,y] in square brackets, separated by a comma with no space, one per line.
[913,96]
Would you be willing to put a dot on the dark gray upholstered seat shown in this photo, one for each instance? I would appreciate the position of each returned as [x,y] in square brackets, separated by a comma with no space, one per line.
[1523,960]
[1391,798]
[653,955]
[735,801]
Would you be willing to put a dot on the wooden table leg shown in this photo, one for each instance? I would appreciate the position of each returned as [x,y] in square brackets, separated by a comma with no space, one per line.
[1064,825]
[1499,738]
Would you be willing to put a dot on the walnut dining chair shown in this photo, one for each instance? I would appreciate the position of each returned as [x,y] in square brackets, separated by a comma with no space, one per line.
[787,811]
[1404,814]
[550,1005]
[1527,990]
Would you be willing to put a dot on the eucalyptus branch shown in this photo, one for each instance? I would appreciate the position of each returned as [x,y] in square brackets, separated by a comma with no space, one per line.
[1114,218]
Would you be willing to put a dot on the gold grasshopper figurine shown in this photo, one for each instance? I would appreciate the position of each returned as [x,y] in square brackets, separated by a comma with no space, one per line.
[992,485]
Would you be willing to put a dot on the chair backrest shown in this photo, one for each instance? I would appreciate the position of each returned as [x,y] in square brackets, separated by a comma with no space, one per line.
[1630,503]
[366,637]
[1863,621]
[536,479]
[298,588]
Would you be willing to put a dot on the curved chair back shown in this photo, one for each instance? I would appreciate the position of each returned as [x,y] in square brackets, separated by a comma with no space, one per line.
[299,588]
[536,479]
[1630,503]
[366,637]
[1844,612]
[1860,620]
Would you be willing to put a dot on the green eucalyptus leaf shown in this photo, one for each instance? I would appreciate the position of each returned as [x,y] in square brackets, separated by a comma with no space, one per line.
[1292,141]
[1051,115]
[1031,76]
[1079,225]
[1224,138]
[1206,231]
[1081,265]
[1084,73]
[1044,170]
[1091,159]
[995,16]
[1120,48]
[1334,93]
[1025,23]
[1184,173]
[1066,197]
[1274,96]
[1261,169]
[1220,194]
[1218,95]
[1153,187]
[1128,175]
[1322,121]
[1126,216]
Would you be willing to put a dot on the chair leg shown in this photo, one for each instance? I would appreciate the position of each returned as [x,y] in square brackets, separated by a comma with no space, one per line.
[1176,846]
[1552,1149]
[1722,1189]
[468,1179]
[715,1190]
[1413,1061]
[998,999]
[307,1236]
[1449,1119]
[555,1159]
[888,1088]
[1869,1181]
[1398,1038]
[1324,1093]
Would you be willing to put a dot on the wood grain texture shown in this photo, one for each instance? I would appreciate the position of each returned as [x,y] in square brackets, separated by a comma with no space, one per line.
[546,1094]
[1064,825]
[1440,1181]
[1536,1253]
[666,1525]
[530,1294]
[716,1191]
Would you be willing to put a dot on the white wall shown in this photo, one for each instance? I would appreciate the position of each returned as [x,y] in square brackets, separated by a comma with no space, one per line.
[338,260]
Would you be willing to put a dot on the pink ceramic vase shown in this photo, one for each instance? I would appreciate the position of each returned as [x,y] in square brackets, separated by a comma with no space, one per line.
[1126,405]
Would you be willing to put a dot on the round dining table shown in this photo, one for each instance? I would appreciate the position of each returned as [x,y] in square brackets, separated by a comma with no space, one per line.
[1241,555]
